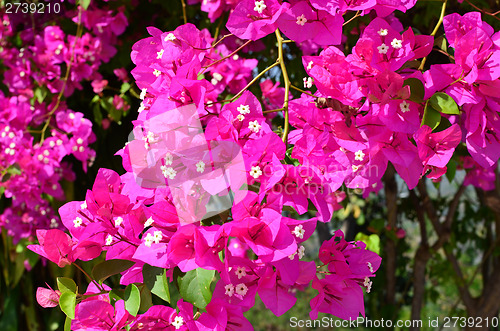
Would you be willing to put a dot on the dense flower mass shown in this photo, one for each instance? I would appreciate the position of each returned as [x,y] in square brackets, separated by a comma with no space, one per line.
[38,130]
[213,189]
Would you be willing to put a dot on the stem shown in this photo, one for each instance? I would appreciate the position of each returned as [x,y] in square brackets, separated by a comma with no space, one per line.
[227,56]
[302,91]
[99,286]
[246,87]
[436,28]
[287,85]
[272,111]
[79,31]
[352,18]
[484,11]
[184,15]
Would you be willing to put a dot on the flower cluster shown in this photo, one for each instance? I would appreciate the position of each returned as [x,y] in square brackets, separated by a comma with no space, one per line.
[37,129]
[209,183]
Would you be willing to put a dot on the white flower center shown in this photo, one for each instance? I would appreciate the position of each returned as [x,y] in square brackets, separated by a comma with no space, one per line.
[382,49]
[359,155]
[382,32]
[200,167]
[168,172]
[170,37]
[244,109]
[259,6]
[254,126]
[148,241]
[299,231]
[178,322]
[159,54]
[301,20]
[77,222]
[240,272]
[255,172]
[404,106]
[396,43]
[118,221]
[149,222]
[157,72]
[229,290]
[241,289]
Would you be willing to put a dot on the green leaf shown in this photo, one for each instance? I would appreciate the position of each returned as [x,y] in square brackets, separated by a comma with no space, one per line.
[445,104]
[146,298]
[132,299]
[451,170]
[125,87]
[97,113]
[441,43]
[431,116]
[109,268]
[67,324]
[194,286]
[40,94]
[67,302]
[372,241]
[156,280]
[85,4]
[65,284]
[417,89]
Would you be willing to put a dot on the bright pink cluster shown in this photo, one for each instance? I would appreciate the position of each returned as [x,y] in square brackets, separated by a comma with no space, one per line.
[31,161]
[362,116]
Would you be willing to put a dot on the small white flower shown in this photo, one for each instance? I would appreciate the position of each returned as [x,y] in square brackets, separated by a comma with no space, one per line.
[241,289]
[77,222]
[299,231]
[301,251]
[368,284]
[382,49]
[236,56]
[255,172]
[254,126]
[168,159]
[178,322]
[170,37]
[53,223]
[396,43]
[369,266]
[291,257]
[141,108]
[157,72]
[159,54]
[218,77]
[109,240]
[404,106]
[200,167]
[229,290]
[143,93]
[22,74]
[148,222]
[244,109]
[301,20]
[310,65]
[118,221]
[240,117]
[83,205]
[359,155]
[308,83]
[157,237]
[259,6]
[241,272]
[355,168]
[382,32]
[148,241]
[168,172]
